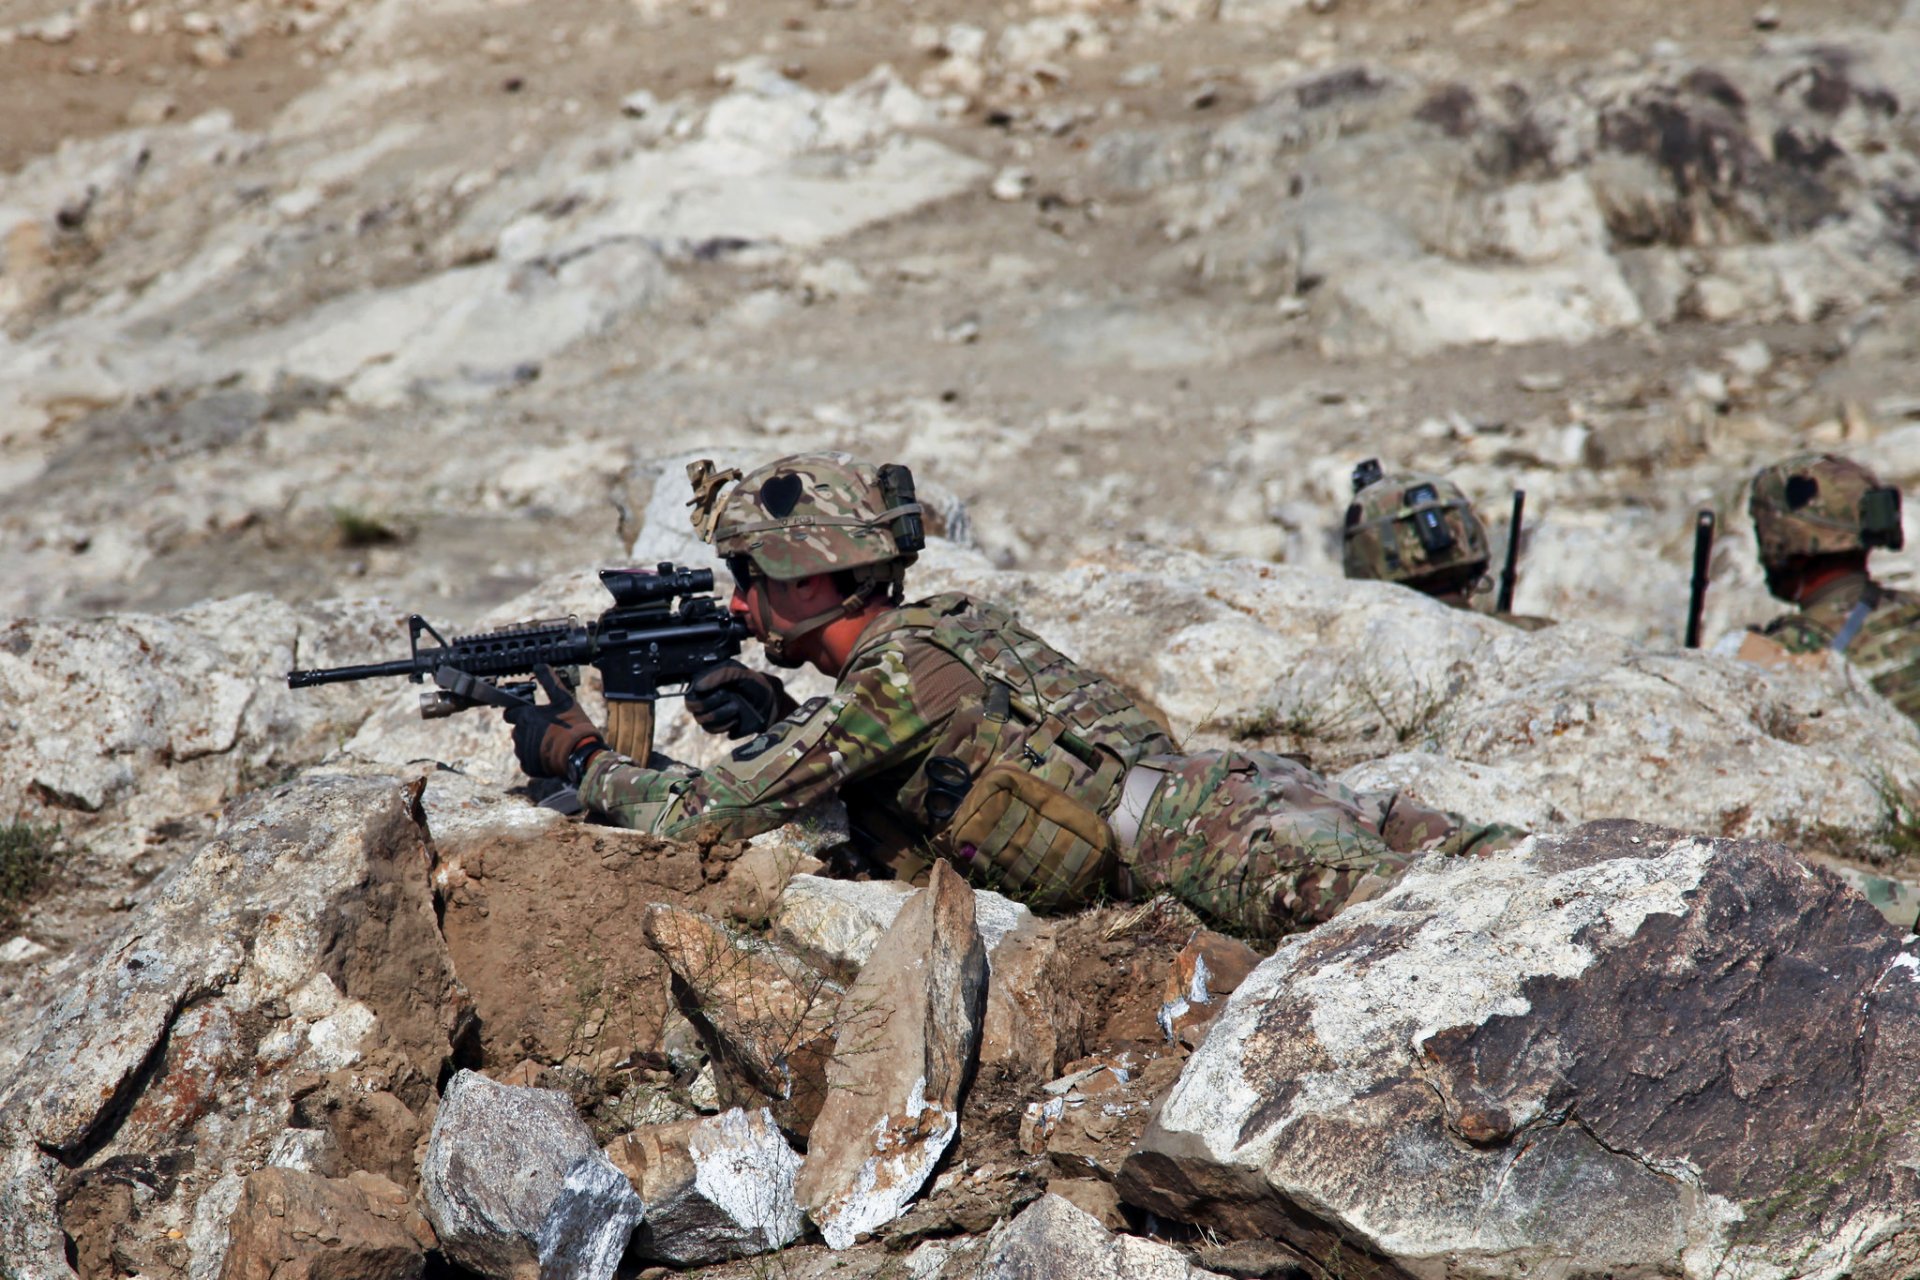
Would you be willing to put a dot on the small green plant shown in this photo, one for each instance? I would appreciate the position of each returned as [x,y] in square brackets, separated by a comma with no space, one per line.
[28,855]
[1892,845]
[1899,828]
[356,528]
[1261,722]
[1418,713]
[1821,1179]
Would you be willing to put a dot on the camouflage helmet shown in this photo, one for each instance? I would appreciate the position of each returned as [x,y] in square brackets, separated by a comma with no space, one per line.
[811,513]
[1816,504]
[1410,528]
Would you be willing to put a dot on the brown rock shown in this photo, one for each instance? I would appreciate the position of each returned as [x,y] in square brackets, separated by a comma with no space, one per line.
[765,1016]
[908,1037]
[27,273]
[961,1204]
[1093,1115]
[1093,1196]
[373,1129]
[391,955]
[1204,974]
[1034,1018]
[544,923]
[716,1188]
[757,878]
[299,1226]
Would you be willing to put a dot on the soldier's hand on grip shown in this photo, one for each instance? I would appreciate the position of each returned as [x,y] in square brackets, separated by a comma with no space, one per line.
[734,699]
[552,739]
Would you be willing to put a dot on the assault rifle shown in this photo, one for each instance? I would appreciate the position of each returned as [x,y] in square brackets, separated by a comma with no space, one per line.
[663,630]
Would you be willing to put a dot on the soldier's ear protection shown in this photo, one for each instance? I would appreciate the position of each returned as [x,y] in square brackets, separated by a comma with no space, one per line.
[896,489]
[1430,521]
[1365,474]
[1880,519]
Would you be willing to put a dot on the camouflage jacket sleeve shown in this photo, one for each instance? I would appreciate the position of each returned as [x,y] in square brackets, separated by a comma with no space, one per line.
[1796,633]
[870,723]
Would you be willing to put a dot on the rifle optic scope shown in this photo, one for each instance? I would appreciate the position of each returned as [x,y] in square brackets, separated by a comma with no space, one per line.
[634,587]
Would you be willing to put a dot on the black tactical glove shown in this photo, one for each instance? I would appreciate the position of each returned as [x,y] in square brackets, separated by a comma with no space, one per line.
[553,739]
[736,700]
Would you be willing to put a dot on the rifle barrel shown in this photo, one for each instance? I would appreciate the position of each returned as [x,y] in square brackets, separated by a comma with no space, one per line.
[1511,570]
[366,671]
[1702,568]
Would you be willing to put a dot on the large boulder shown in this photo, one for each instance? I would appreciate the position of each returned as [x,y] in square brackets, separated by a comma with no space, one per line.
[1621,1051]
[543,917]
[297,944]
[141,723]
[1568,724]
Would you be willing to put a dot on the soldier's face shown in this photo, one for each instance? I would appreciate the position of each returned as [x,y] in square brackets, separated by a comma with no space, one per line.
[1782,581]
[772,609]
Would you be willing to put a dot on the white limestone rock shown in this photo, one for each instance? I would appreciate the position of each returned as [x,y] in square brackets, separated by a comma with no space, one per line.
[1585,722]
[1430,304]
[148,717]
[1054,1237]
[837,923]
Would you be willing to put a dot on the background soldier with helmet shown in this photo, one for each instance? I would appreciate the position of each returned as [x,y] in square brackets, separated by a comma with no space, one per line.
[955,732]
[1817,517]
[1419,531]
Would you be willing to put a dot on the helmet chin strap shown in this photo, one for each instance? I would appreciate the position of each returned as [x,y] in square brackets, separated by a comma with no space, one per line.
[779,643]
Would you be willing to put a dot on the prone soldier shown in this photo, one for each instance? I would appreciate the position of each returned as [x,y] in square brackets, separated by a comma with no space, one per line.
[1419,531]
[1817,517]
[955,732]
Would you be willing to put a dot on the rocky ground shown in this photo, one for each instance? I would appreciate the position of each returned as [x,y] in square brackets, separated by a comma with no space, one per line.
[315,314]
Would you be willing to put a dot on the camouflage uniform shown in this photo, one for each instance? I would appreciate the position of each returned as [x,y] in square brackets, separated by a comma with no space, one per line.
[1819,504]
[1420,531]
[955,732]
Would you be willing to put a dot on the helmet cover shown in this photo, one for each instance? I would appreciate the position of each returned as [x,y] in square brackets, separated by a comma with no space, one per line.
[1818,504]
[1408,528]
[805,514]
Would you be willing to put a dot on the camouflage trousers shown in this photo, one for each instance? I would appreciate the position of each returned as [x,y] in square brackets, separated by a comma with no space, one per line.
[1265,846]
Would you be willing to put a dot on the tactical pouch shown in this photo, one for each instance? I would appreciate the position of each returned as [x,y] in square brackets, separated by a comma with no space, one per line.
[1029,839]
